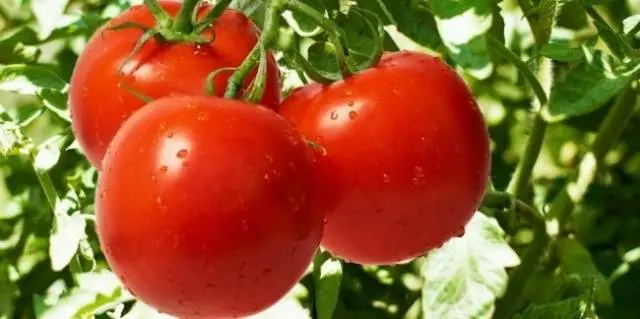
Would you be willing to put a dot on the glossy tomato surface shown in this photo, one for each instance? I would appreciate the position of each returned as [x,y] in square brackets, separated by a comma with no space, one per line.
[406,157]
[103,80]
[203,206]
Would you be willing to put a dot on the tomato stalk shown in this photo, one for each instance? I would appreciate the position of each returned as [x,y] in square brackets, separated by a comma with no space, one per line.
[163,19]
[609,132]
[183,22]
[506,306]
[212,15]
[337,39]
[522,175]
[269,34]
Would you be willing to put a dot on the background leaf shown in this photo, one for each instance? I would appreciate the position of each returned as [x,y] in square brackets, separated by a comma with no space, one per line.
[465,277]
[589,85]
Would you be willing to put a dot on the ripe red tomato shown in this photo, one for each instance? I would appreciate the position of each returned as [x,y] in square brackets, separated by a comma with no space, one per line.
[203,206]
[406,157]
[101,97]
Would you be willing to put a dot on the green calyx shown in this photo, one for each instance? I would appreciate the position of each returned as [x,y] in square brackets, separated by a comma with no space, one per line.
[184,27]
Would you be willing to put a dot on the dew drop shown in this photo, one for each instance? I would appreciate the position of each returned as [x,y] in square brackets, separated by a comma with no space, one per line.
[460,232]
[182,153]
[353,115]
[269,158]
[159,200]
[334,115]
[245,226]
[102,195]
[386,178]
[418,175]
[351,103]
[163,169]
[201,116]
[267,271]
[170,135]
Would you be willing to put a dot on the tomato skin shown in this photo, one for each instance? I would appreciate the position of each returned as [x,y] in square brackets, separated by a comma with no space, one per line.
[203,207]
[406,159]
[100,94]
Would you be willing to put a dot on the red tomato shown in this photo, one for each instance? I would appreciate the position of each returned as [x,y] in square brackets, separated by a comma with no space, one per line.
[203,206]
[101,97]
[406,157]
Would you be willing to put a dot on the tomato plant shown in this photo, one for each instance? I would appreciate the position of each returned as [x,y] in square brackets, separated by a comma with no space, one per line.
[110,72]
[487,167]
[418,182]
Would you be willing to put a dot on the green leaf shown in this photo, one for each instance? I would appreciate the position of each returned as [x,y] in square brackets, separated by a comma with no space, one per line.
[48,153]
[629,23]
[576,263]
[322,57]
[463,26]
[35,251]
[48,14]
[465,277]
[588,86]
[29,79]
[364,33]
[408,17]
[571,308]
[96,293]
[85,24]
[562,52]
[66,235]
[327,273]
[542,17]
[301,24]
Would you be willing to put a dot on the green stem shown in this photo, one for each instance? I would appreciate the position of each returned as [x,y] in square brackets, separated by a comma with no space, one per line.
[162,17]
[506,306]
[183,22]
[47,184]
[212,16]
[336,36]
[501,49]
[269,34]
[520,180]
[308,68]
[618,46]
[608,134]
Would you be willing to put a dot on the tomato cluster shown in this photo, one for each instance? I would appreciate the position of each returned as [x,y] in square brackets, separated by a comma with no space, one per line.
[215,207]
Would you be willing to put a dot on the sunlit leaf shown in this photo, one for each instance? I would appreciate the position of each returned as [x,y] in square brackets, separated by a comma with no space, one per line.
[327,279]
[65,238]
[96,293]
[589,85]
[48,153]
[465,277]
[48,14]
[462,26]
[29,79]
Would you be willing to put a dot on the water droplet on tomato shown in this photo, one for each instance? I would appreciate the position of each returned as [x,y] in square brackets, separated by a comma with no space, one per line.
[267,271]
[159,200]
[351,103]
[185,164]
[460,232]
[386,178]
[201,116]
[103,194]
[348,93]
[182,153]
[334,115]
[163,169]
[170,135]
[269,158]
[267,177]
[353,115]
[245,226]
[418,175]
